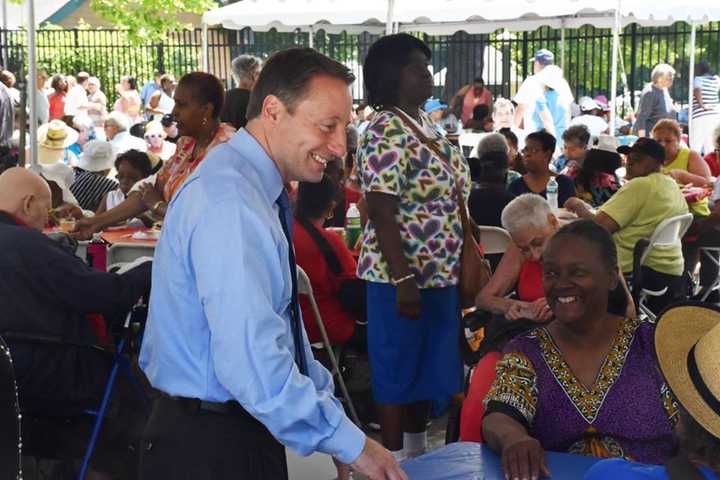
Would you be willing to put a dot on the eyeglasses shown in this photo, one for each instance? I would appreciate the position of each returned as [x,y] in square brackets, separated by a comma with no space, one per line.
[153,135]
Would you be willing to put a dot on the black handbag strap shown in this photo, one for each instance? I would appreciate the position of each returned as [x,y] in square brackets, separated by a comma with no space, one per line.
[680,468]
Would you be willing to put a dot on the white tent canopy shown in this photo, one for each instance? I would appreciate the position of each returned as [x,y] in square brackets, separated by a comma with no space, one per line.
[332,16]
[445,17]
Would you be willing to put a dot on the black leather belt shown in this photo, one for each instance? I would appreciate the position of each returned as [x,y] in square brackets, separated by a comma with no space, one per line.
[194,405]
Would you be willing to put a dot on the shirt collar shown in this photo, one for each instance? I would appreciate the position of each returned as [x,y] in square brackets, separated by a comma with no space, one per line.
[6,217]
[250,149]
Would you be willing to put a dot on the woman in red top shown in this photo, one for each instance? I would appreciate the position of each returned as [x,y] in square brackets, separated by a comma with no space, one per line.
[325,258]
[57,98]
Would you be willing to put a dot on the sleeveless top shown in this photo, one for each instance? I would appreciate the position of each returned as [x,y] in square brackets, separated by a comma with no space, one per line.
[530,281]
[681,162]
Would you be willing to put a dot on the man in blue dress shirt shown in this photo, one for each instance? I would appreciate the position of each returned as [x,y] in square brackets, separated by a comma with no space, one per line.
[224,342]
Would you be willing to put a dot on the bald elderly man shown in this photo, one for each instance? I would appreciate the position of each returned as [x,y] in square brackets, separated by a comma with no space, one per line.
[46,293]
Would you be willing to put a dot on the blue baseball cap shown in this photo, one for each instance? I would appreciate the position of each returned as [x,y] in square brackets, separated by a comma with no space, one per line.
[434,104]
[544,57]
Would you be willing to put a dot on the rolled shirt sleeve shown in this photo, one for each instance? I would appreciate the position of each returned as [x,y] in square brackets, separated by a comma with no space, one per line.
[238,265]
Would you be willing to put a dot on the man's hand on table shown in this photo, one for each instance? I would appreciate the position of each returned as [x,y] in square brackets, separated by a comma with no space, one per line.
[377,463]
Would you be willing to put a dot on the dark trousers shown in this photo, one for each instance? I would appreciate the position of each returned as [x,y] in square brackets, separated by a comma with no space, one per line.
[656,281]
[191,443]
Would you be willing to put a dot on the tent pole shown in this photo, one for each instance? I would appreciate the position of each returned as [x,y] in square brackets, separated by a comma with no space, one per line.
[311,37]
[205,48]
[5,35]
[32,84]
[390,14]
[613,75]
[562,44]
[691,78]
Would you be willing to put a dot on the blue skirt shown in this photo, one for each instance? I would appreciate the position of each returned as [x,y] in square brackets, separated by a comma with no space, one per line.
[414,360]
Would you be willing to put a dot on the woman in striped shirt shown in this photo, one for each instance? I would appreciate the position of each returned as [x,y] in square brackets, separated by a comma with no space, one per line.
[705,109]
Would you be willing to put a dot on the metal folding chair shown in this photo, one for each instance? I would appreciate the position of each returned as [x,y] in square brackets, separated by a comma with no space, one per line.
[305,288]
[667,234]
[713,253]
[10,437]
[494,240]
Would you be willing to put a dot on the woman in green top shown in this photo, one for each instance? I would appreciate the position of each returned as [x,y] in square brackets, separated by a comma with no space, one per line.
[687,167]
[633,213]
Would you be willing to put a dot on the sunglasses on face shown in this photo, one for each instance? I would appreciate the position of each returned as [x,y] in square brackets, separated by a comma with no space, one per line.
[153,135]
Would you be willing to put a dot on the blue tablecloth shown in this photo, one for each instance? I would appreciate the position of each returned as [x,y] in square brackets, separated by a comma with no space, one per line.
[475,461]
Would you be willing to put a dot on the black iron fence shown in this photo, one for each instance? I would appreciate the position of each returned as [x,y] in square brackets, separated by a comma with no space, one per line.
[503,59]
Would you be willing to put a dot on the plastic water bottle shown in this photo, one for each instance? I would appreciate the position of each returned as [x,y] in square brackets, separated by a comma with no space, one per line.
[551,191]
[352,225]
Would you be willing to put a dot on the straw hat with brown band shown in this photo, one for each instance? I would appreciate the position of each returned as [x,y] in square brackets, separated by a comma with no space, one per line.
[687,341]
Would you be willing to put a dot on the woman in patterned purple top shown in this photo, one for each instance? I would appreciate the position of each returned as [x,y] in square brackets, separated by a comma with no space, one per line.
[588,382]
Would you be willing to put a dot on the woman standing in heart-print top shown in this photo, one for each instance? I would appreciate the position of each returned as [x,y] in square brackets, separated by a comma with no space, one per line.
[411,246]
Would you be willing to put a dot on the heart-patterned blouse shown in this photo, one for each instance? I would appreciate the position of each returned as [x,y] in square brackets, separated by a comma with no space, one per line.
[392,160]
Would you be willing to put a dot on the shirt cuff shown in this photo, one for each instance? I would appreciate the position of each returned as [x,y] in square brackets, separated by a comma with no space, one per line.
[346,444]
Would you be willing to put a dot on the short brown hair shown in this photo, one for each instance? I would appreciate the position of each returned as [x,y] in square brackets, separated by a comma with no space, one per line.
[287,75]
[670,126]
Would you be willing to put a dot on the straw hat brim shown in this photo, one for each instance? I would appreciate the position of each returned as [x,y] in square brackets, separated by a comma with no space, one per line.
[71,137]
[679,329]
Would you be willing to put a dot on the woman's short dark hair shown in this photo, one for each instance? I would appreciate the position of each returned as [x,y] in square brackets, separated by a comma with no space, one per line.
[509,136]
[206,88]
[597,161]
[137,159]
[702,68]
[544,138]
[493,167]
[132,82]
[381,70]
[55,82]
[592,232]
[577,134]
[480,112]
[287,75]
[314,199]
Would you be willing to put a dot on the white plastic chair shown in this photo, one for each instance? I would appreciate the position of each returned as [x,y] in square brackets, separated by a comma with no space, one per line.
[127,252]
[468,142]
[709,251]
[305,288]
[667,234]
[494,240]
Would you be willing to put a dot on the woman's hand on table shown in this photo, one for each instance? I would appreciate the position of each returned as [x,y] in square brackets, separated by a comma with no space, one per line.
[85,228]
[408,299]
[149,195]
[523,458]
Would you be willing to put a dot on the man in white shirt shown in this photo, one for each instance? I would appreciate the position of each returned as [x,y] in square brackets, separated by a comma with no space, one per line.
[590,117]
[76,100]
[117,126]
[530,92]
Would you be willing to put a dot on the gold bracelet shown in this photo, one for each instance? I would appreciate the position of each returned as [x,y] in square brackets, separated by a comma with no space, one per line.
[400,280]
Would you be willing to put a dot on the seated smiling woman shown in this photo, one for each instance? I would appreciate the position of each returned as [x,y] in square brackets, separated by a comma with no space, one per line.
[565,386]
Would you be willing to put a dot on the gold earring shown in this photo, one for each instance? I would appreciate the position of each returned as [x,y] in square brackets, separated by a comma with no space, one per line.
[204,122]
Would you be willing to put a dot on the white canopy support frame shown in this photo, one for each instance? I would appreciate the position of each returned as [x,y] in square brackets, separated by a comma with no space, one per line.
[32,85]
[613,75]
[205,49]
[691,76]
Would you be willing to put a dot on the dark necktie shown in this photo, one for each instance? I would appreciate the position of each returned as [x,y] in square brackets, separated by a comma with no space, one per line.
[286,220]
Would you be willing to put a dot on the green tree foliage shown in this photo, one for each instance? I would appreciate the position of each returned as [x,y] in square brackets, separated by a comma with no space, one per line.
[149,20]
